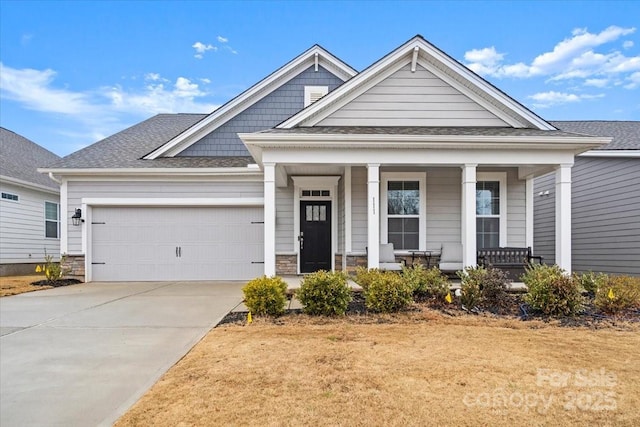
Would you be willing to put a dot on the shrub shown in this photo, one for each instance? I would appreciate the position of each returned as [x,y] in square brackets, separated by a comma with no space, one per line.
[426,283]
[364,276]
[551,291]
[387,292]
[265,295]
[53,270]
[591,281]
[470,286]
[618,293]
[493,288]
[324,293]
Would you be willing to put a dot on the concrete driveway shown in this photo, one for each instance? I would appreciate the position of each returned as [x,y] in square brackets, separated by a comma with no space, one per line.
[82,355]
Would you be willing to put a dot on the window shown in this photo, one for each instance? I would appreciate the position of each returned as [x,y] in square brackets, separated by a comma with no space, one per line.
[51,220]
[403,220]
[491,210]
[313,93]
[9,196]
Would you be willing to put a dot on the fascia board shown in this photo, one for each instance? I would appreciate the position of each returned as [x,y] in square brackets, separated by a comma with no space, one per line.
[30,185]
[612,153]
[250,97]
[155,171]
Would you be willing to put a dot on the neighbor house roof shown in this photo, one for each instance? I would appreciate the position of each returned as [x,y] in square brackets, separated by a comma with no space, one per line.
[625,134]
[127,148]
[20,158]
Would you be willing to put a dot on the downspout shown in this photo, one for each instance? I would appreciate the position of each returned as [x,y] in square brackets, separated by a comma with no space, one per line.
[54,179]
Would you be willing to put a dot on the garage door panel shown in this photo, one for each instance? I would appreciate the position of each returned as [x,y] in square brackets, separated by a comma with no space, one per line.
[137,243]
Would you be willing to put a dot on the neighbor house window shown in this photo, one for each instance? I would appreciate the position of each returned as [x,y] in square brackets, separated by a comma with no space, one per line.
[491,210]
[9,196]
[403,211]
[51,220]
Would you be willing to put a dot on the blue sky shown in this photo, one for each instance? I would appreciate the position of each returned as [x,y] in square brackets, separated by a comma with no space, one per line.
[75,72]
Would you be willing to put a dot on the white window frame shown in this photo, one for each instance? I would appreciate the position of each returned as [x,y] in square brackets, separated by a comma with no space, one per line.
[421,177]
[308,90]
[57,221]
[501,178]
[11,198]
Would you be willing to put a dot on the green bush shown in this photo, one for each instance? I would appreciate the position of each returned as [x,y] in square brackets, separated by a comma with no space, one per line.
[387,292]
[265,295]
[364,276]
[470,286]
[618,293]
[494,288]
[551,291]
[53,270]
[591,281]
[324,293]
[426,283]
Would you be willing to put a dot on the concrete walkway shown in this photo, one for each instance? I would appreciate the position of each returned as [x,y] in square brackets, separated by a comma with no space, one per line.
[82,355]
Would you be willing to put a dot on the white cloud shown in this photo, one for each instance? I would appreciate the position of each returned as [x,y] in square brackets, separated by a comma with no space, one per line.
[634,80]
[222,39]
[572,58]
[201,48]
[628,44]
[551,98]
[596,82]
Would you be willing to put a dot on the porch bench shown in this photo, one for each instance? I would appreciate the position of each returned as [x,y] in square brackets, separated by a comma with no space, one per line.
[511,260]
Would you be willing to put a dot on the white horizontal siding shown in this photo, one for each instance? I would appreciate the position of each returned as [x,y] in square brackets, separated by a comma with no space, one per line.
[149,189]
[358,209]
[412,99]
[444,206]
[22,226]
[284,219]
[516,210]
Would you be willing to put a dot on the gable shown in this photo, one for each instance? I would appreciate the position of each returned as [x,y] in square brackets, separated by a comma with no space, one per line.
[274,108]
[407,98]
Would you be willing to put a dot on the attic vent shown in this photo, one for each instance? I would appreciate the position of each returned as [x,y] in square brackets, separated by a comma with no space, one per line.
[313,93]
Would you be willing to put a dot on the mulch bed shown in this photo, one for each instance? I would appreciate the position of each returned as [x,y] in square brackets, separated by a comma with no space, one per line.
[56,283]
[511,307]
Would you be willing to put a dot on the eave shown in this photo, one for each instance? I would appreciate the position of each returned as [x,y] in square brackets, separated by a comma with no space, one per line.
[30,185]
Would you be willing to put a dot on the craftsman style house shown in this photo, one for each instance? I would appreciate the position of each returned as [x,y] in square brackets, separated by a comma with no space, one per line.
[313,168]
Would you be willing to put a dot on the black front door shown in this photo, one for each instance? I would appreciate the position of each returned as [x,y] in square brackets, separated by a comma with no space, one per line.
[315,236]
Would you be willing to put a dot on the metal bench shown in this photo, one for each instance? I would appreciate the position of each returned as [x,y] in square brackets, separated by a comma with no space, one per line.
[509,259]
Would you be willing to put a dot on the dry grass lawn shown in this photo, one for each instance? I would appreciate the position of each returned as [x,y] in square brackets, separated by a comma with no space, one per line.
[411,369]
[14,285]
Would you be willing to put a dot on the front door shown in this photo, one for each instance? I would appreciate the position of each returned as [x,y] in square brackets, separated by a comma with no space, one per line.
[315,236]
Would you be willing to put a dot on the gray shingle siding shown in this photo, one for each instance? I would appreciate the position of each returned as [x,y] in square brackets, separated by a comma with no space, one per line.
[605,222]
[264,114]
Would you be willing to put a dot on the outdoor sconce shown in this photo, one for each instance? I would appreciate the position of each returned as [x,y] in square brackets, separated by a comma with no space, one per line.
[77,217]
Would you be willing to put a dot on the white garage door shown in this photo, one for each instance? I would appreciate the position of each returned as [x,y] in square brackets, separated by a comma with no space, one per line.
[176,243]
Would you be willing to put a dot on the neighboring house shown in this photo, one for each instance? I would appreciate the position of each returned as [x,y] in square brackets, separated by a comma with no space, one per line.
[29,207]
[605,201]
[284,180]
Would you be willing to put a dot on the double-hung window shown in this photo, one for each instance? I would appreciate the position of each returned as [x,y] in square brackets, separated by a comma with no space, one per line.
[491,215]
[51,220]
[403,210]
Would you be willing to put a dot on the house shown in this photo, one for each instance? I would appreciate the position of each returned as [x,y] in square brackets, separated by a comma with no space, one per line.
[312,168]
[29,207]
[605,201]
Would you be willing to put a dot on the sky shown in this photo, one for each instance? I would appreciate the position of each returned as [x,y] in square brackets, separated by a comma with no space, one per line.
[74,72]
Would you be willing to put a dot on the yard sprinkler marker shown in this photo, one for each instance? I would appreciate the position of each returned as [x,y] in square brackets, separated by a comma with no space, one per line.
[38,269]
[448,298]
[249,318]
[610,294]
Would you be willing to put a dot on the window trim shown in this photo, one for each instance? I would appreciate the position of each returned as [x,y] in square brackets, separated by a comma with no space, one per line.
[421,177]
[501,178]
[308,90]
[57,221]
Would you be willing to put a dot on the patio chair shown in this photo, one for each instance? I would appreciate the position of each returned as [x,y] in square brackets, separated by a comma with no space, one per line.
[388,258]
[451,257]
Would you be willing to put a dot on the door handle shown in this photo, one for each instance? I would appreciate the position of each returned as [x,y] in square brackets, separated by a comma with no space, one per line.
[301,240]
[176,252]
[180,251]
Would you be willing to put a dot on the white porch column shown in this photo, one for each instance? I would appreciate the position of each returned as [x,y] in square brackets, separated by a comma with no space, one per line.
[469,215]
[563,217]
[528,216]
[373,215]
[269,219]
[347,216]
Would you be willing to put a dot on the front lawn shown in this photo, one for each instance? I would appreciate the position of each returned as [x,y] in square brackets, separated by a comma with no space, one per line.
[415,368]
[14,285]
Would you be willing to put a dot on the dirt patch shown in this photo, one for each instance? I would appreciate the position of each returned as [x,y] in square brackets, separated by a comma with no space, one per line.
[14,285]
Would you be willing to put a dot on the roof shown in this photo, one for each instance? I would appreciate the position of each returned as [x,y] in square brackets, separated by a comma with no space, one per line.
[625,134]
[418,50]
[20,158]
[314,56]
[127,148]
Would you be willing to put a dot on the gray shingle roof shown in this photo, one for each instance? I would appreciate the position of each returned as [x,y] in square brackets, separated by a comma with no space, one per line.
[626,135]
[417,130]
[125,149]
[20,158]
